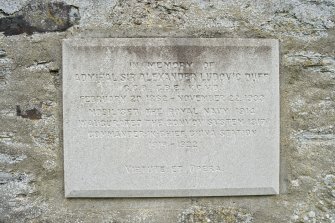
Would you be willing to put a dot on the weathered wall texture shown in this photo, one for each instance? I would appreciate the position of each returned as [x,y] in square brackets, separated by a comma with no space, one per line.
[31,162]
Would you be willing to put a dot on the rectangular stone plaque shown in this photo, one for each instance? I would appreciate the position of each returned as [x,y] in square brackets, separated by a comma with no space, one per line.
[161,117]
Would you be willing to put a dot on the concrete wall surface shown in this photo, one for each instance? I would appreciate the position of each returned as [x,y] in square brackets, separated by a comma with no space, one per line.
[31,153]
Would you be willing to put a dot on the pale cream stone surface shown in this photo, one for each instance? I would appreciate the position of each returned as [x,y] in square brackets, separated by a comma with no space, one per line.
[160,117]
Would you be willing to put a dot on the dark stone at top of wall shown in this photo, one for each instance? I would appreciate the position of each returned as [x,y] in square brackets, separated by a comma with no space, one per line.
[40,16]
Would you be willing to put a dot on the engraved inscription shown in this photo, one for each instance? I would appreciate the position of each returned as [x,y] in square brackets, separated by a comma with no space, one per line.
[228,113]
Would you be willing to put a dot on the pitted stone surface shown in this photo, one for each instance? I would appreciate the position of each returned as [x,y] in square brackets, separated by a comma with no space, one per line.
[31,150]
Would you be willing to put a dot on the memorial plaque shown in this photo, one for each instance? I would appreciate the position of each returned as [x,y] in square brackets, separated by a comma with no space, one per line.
[161,117]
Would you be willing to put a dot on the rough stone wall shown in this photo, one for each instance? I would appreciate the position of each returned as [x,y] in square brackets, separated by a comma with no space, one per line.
[31,159]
